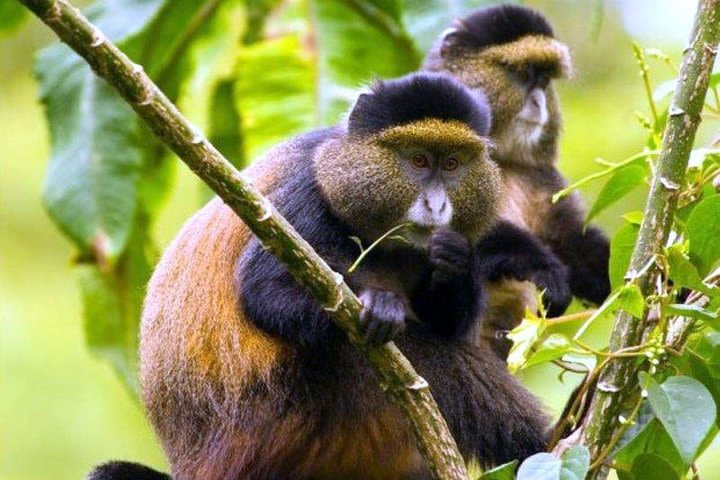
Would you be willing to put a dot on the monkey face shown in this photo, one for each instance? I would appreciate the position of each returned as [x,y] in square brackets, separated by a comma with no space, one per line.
[428,173]
[517,78]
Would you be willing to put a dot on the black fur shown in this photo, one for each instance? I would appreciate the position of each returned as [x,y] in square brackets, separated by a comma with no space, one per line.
[118,470]
[383,316]
[498,25]
[491,416]
[417,97]
[510,252]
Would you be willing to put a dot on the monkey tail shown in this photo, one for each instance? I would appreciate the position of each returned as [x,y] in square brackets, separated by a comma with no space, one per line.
[118,470]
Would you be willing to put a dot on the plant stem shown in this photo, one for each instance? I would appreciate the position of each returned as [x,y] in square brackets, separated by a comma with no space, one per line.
[618,381]
[395,373]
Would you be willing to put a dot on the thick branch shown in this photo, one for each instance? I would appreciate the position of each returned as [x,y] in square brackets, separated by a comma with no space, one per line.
[617,381]
[395,373]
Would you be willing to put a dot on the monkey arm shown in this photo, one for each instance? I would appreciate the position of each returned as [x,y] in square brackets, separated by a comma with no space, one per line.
[449,298]
[273,301]
[510,252]
[586,251]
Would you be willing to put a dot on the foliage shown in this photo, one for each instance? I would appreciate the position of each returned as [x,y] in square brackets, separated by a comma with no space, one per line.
[296,65]
[674,419]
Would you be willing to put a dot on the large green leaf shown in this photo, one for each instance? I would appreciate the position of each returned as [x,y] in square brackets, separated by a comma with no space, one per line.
[358,40]
[112,301]
[704,364]
[427,19]
[99,149]
[703,231]
[552,348]
[686,409]
[91,187]
[621,249]
[651,439]
[108,173]
[275,91]
[648,466]
[573,465]
[622,182]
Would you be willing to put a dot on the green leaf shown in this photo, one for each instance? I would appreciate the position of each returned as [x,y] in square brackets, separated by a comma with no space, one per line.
[524,337]
[552,348]
[225,124]
[541,466]
[506,471]
[256,13]
[648,466]
[703,232]
[683,272]
[427,19]
[704,364]
[112,302]
[275,92]
[622,182]
[99,150]
[628,298]
[621,249]
[91,186]
[635,217]
[573,465]
[12,15]
[686,409]
[694,311]
[652,439]
[357,41]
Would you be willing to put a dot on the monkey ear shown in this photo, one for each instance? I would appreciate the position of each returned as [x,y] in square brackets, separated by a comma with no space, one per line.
[449,40]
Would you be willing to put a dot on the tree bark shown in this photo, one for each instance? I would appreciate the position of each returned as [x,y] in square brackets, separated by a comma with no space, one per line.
[617,382]
[395,372]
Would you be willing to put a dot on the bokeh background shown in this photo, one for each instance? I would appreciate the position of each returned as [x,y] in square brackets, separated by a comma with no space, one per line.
[62,410]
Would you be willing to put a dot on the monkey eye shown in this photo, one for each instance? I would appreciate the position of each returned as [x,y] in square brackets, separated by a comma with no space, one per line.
[420,161]
[451,163]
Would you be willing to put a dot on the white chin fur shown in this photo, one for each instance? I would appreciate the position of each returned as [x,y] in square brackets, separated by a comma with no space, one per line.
[517,141]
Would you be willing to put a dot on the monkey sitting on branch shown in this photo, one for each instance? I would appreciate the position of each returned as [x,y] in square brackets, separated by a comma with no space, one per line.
[246,377]
[510,53]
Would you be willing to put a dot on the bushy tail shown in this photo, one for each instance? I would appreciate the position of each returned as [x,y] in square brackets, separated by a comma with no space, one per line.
[117,470]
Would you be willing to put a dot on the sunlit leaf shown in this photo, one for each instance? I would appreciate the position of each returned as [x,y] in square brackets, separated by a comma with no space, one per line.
[703,231]
[358,40]
[686,409]
[112,301]
[684,273]
[622,182]
[621,249]
[694,311]
[524,337]
[552,348]
[628,298]
[506,471]
[275,92]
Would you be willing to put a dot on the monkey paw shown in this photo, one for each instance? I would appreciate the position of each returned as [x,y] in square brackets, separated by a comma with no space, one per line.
[382,317]
[449,254]
[557,296]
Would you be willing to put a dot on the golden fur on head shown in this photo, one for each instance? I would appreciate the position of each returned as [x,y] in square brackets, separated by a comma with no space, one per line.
[538,50]
[378,194]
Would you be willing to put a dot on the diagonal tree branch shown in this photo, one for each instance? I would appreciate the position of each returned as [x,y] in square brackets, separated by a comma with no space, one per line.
[617,382]
[395,372]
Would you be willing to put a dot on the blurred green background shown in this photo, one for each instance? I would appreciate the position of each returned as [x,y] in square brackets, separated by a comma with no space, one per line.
[62,410]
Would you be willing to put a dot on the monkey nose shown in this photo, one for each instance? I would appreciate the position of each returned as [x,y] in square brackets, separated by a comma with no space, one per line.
[436,207]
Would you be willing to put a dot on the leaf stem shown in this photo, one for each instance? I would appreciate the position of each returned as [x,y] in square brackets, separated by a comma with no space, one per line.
[365,251]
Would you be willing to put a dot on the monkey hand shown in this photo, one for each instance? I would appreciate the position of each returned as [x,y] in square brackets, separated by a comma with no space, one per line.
[383,316]
[555,282]
[450,254]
